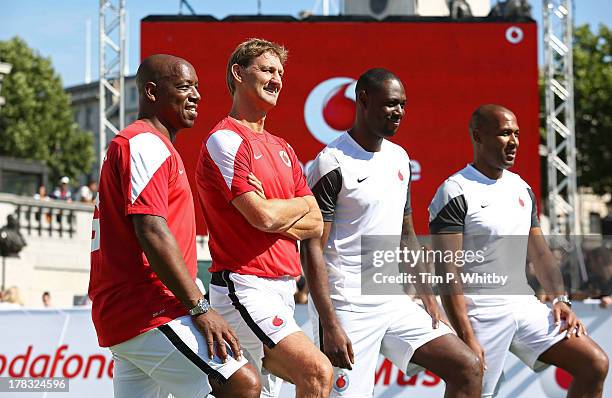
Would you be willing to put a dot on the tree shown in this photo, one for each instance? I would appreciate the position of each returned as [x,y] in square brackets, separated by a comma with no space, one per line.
[593,107]
[37,121]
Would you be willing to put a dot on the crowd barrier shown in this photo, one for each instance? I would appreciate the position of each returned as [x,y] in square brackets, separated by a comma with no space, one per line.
[62,343]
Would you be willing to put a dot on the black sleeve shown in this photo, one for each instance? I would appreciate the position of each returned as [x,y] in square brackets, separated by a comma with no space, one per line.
[535,222]
[326,192]
[408,206]
[451,218]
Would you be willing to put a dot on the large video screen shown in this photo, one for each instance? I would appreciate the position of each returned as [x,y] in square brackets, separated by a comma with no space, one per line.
[448,68]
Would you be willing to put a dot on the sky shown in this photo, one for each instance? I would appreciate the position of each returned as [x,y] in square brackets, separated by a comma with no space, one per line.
[57,28]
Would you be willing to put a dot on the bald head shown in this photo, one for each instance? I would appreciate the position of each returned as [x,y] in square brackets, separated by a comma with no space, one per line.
[494,132]
[157,67]
[168,93]
[487,116]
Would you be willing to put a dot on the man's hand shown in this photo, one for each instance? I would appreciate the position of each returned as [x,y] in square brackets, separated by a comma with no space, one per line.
[216,330]
[254,181]
[573,325]
[475,346]
[338,347]
[433,309]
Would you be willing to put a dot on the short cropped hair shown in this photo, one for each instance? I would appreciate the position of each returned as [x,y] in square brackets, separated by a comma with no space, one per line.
[373,79]
[484,115]
[249,50]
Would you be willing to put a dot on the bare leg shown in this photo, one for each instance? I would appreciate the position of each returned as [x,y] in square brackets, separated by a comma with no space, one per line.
[584,360]
[297,360]
[452,360]
[244,383]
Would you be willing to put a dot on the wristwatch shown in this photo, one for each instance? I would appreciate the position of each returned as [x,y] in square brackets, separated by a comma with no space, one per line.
[562,299]
[201,307]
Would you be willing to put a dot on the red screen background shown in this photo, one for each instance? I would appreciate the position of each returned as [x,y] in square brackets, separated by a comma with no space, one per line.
[447,68]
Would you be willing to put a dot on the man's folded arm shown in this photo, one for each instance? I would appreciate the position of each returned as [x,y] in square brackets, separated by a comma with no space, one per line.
[271,215]
[309,226]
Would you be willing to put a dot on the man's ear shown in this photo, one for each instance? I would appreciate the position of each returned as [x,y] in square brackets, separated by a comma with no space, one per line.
[362,98]
[476,135]
[237,73]
[150,91]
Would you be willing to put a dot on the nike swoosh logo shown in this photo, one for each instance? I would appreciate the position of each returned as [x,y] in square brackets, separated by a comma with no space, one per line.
[483,205]
[257,157]
[359,180]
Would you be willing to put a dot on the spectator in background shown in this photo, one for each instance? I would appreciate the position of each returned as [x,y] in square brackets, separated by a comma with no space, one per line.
[87,193]
[46,299]
[42,193]
[62,192]
[11,298]
[599,267]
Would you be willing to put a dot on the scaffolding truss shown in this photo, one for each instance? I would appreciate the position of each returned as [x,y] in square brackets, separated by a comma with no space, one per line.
[560,128]
[112,58]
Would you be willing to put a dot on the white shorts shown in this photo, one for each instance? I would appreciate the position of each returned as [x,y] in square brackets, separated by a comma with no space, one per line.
[261,312]
[523,326]
[172,358]
[395,329]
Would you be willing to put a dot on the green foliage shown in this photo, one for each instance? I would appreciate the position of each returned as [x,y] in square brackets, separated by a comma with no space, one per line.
[37,121]
[593,107]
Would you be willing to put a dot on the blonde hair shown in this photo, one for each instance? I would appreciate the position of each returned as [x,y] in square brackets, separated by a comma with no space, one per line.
[249,50]
[11,295]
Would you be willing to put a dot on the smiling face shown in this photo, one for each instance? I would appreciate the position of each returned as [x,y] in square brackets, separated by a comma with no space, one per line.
[384,108]
[261,80]
[497,141]
[177,97]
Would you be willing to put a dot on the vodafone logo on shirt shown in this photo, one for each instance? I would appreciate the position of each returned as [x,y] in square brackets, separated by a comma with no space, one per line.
[330,108]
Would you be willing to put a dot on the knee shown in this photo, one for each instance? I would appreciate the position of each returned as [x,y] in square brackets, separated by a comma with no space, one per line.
[596,370]
[319,372]
[245,383]
[252,385]
[473,368]
[600,365]
[469,371]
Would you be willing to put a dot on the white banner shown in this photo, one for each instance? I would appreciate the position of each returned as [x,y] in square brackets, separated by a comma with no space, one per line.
[55,343]
[62,343]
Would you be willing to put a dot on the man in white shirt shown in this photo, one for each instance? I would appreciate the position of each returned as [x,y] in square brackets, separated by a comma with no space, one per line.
[486,207]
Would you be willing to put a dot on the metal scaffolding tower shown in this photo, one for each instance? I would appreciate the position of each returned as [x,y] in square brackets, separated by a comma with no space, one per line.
[560,116]
[560,132]
[112,71]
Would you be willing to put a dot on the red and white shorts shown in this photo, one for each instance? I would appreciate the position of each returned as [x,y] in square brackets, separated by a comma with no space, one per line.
[171,359]
[261,312]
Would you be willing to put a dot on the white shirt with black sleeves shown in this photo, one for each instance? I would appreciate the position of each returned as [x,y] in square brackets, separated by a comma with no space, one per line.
[494,216]
[360,193]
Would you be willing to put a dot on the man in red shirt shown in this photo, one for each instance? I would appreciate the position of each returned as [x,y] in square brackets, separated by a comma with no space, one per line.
[257,205]
[145,304]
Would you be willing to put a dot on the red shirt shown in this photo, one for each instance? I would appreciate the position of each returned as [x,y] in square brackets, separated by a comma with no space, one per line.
[229,153]
[142,174]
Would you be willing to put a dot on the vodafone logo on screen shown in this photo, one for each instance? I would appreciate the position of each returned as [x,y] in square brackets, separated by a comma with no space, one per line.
[330,111]
[514,34]
[330,108]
